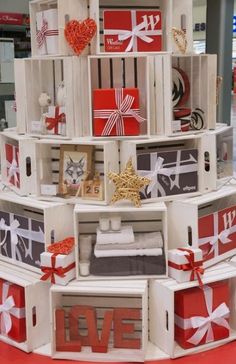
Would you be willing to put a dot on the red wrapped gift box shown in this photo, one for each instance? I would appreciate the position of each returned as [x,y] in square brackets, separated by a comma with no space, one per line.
[202,314]
[12,164]
[217,233]
[12,311]
[116,112]
[132,30]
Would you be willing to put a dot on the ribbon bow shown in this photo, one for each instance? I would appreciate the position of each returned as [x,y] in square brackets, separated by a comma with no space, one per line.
[116,117]
[139,31]
[222,237]
[13,170]
[204,324]
[51,272]
[53,122]
[42,33]
[195,267]
[7,304]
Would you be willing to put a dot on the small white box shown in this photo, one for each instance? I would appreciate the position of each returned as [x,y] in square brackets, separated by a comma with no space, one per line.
[182,264]
[66,263]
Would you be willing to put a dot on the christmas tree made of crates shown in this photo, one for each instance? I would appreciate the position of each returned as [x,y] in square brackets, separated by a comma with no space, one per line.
[114,105]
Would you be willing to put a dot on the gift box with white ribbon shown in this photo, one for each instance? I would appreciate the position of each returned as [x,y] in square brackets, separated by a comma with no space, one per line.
[24,308]
[27,227]
[178,167]
[207,222]
[187,319]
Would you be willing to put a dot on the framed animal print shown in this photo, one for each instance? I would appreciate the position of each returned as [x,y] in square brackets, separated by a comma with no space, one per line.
[76,161]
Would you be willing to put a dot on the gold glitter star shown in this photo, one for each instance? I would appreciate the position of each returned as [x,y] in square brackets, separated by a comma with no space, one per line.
[128,185]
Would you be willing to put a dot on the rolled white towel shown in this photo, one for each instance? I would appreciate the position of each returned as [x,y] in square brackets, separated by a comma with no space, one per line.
[127,253]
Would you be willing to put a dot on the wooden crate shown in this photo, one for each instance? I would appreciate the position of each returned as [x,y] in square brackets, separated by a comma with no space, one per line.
[172,13]
[183,219]
[205,144]
[149,218]
[42,217]
[103,296]
[199,69]
[36,303]
[118,71]
[224,152]
[161,310]
[37,75]
[48,156]
[67,10]
[26,162]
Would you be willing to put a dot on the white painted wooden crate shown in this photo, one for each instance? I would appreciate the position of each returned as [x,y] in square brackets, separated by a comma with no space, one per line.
[224,150]
[42,213]
[200,70]
[148,218]
[120,71]
[67,10]
[183,227]
[48,158]
[103,296]
[205,144]
[175,13]
[26,162]
[161,310]
[38,75]
[36,302]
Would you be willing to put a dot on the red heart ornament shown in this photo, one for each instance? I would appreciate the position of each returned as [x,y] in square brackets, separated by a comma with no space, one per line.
[79,33]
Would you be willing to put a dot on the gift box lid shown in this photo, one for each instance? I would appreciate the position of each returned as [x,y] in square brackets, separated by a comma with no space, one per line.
[179,256]
[61,259]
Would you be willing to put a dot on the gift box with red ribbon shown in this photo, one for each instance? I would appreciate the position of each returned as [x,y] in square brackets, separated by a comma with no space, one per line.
[116,112]
[217,234]
[12,311]
[12,164]
[185,265]
[55,120]
[132,30]
[47,31]
[202,314]
[58,263]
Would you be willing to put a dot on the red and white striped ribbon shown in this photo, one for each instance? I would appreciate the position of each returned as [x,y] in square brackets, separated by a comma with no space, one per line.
[116,117]
[44,32]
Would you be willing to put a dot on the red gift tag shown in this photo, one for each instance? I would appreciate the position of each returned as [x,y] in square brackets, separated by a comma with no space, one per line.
[132,30]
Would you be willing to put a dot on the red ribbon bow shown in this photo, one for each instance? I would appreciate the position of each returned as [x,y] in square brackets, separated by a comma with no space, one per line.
[51,272]
[54,122]
[195,267]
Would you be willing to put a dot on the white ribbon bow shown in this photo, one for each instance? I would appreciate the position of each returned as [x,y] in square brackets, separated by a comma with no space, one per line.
[116,117]
[161,168]
[13,170]
[204,324]
[16,233]
[138,31]
[222,237]
[7,304]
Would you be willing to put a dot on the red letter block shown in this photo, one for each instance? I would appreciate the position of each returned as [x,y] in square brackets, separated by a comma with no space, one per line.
[121,328]
[61,343]
[92,339]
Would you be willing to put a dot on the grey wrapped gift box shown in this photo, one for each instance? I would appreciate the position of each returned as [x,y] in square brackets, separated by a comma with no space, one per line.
[22,238]
[172,173]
